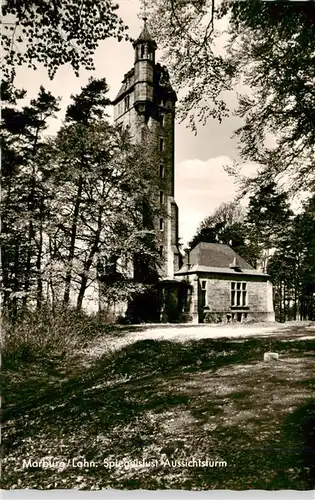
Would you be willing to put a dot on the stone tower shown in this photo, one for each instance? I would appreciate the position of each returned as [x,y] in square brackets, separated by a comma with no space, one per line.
[146,103]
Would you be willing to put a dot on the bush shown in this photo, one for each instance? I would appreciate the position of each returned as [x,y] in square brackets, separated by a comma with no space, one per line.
[185,318]
[211,317]
[36,335]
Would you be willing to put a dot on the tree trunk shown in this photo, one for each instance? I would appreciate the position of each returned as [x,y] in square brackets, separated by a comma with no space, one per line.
[27,282]
[31,232]
[51,282]
[89,261]
[295,302]
[87,267]
[74,229]
[39,294]
[284,303]
[280,302]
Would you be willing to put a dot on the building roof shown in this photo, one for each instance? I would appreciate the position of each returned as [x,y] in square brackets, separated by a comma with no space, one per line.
[216,258]
[127,85]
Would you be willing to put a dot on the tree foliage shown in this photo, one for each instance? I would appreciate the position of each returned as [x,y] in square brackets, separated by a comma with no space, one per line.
[55,33]
[24,194]
[269,49]
[268,220]
[226,225]
[275,53]
[292,267]
[73,203]
[185,32]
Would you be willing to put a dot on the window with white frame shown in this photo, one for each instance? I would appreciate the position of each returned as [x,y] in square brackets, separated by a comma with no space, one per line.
[161,144]
[238,294]
[204,298]
[161,198]
[161,224]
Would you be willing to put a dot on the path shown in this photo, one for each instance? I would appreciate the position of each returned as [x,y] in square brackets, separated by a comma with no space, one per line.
[289,331]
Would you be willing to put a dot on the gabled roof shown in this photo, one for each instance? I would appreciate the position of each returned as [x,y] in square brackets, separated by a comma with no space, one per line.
[216,258]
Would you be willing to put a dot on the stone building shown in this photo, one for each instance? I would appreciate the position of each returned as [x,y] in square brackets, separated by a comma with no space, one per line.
[214,283]
[224,287]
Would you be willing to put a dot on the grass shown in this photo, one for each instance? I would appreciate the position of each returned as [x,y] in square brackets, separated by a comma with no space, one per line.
[157,400]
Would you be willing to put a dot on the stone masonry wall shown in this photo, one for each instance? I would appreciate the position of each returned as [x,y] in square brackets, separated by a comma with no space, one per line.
[219,293]
[259,297]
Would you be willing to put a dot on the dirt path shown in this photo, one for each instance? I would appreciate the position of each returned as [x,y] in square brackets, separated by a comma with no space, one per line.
[184,333]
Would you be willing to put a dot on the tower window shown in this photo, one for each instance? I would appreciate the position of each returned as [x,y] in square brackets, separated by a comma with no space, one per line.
[161,224]
[161,251]
[162,171]
[162,144]
[161,197]
[127,102]
[162,120]
[142,51]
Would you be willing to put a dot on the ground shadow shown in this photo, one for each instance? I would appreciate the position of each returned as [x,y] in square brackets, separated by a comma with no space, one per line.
[113,398]
[299,429]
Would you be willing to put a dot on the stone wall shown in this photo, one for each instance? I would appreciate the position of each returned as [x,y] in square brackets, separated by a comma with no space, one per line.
[218,307]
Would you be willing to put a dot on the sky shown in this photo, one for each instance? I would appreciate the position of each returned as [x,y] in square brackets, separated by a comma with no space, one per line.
[201,184]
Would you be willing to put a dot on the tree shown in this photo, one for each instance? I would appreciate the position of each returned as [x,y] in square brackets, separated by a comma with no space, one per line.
[226,226]
[73,203]
[90,103]
[267,222]
[55,33]
[100,196]
[270,49]
[101,182]
[185,33]
[292,268]
[24,194]
[227,214]
[275,53]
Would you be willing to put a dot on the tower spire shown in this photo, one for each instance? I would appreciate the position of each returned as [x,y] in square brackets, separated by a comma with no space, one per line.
[144,11]
[145,36]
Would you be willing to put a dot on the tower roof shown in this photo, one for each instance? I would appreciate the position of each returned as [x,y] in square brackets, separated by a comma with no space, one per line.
[145,35]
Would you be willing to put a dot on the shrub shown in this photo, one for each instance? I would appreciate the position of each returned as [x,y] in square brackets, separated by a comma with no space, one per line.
[36,335]
[211,317]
